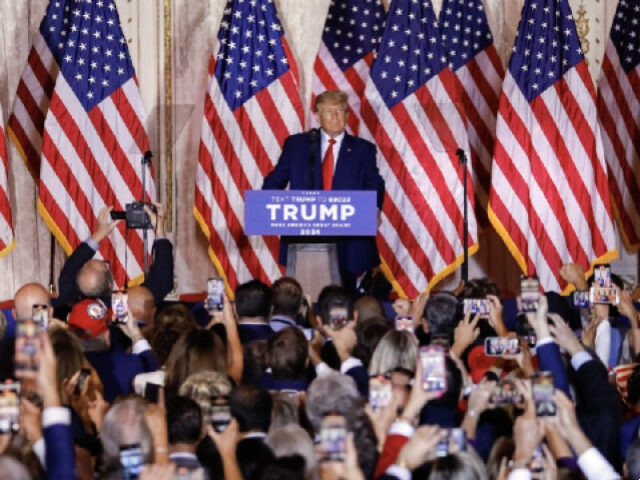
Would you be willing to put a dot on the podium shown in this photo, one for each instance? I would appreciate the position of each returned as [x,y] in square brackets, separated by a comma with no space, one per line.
[309,217]
[314,265]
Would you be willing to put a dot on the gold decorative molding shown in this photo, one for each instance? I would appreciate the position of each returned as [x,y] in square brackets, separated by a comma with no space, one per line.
[582,25]
[168,115]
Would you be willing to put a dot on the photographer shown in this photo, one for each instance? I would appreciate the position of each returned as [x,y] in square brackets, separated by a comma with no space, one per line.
[85,277]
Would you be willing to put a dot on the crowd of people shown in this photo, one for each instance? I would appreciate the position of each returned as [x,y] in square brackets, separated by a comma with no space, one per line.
[276,386]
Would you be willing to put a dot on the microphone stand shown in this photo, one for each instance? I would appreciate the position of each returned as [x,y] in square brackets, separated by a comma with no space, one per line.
[146,159]
[462,157]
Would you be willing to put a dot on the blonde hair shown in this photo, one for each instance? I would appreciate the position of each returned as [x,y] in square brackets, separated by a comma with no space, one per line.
[202,386]
[397,348]
[332,96]
[294,440]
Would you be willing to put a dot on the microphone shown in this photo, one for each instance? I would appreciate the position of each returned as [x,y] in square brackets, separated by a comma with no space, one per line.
[147,156]
[314,135]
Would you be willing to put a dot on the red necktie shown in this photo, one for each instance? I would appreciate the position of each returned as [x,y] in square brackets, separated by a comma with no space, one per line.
[327,166]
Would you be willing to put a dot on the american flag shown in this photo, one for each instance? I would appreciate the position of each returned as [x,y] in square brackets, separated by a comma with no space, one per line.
[549,197]
[7,240]
[78,119]
[252,105]
[351,35]
[619,109]
[413,107]
[474,59]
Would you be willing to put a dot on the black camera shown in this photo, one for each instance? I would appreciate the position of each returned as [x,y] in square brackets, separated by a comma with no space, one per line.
[134,215]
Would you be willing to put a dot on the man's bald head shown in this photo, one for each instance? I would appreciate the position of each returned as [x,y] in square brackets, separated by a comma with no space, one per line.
[94,279]
[142,304]
[26,297]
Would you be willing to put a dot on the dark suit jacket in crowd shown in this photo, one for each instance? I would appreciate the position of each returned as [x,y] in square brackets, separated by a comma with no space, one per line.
[117,369]
[355,169]
[59,452]
[159,279]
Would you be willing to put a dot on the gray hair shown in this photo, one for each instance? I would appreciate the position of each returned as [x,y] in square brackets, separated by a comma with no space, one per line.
[331,393]
[294,440]
[125,424]
[397,348]
[12,469]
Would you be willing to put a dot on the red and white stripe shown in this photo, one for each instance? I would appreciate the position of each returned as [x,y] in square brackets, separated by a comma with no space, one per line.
[7,240]
[31,103]
[91,160]
[480,81]
[619,110]
[237,150]
[549,197]
[327,75]
[421,235]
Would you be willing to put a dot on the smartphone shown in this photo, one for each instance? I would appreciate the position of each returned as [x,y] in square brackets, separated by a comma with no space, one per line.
[458,440]
[404,322]
[333,438]
[542,390]
[338,317]
[131,461]
[308,333]
[220,413]
[9,407]
[120,307]
[606,295]
[454,440]
[27,354]
[502,346]
[602,276]
[434,372]
[215,295]
[506,393]
[536,465]
[580,298]
[529,294]
[40,315]
[85,373]
[151,392]
[442,448]
[379,392]
[475,306]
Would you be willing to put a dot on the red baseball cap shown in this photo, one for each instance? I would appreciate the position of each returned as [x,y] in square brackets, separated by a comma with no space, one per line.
[88,318]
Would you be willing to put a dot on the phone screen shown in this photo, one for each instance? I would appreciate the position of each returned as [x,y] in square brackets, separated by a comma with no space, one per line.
[220,413]
[333,438]
[506,393]
[215,295]
[27,352]
[131,461]
[40,315]
[9,407]
[543,390]
[502,346]
[404,322]
[476,305]
[580,298]
[151,392]
[85,373]
[529,294]
[434,374]
[120,307]
[379,392]
[338,317]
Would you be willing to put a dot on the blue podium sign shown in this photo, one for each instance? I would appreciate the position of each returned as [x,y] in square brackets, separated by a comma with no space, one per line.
[310,212]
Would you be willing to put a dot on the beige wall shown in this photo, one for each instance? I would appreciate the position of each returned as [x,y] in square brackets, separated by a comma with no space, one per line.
[175,130]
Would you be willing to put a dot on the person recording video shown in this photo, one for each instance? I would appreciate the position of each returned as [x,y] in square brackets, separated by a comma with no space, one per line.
[82,276]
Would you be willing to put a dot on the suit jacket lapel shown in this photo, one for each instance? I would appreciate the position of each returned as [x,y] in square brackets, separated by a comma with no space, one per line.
[342,167]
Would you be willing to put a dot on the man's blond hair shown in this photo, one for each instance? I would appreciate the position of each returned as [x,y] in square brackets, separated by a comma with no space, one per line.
[332,96]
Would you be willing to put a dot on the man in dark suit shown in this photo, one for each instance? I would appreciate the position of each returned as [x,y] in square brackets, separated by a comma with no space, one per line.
[340,162]
[82,277]
[88,321]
